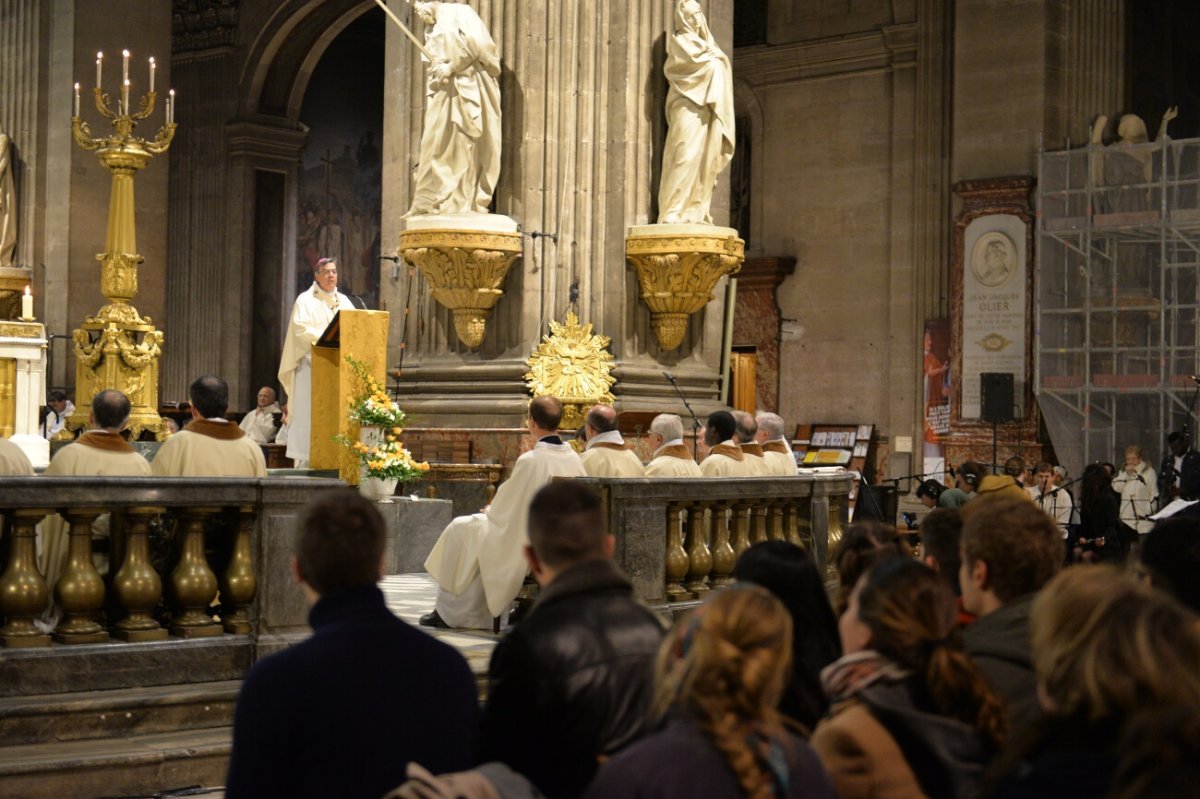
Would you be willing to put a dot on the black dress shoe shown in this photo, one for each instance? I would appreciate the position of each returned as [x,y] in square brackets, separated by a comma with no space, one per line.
[433,619]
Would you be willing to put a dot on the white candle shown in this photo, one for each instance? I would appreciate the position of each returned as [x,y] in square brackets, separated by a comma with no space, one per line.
[27,305]
[151,73]
[125,65]
[171,107]
[125,98]
[99,61]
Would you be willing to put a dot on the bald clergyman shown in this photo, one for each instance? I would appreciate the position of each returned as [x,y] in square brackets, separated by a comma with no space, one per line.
[607,454]
[747,431]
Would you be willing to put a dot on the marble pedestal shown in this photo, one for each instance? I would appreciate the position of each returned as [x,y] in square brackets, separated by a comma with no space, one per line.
[413,527]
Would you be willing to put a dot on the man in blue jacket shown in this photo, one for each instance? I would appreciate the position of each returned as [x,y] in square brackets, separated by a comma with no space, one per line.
[342,713]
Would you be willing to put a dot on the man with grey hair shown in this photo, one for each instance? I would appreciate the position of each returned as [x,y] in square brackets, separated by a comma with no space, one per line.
[607,455]
[671,456]
[777,452]
[746,435]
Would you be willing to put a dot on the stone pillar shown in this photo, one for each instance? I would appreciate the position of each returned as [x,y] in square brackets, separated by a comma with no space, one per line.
[757,320]
[582,93]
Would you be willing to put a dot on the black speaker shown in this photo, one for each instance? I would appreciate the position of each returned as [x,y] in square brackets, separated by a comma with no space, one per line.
[996,397]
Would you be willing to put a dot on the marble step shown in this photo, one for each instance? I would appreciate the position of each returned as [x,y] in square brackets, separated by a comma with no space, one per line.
[143,765]
[122,713]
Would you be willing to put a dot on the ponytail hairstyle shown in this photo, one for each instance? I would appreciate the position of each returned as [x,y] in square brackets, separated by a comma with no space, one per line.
[726,666]
[910,612]
[863,545]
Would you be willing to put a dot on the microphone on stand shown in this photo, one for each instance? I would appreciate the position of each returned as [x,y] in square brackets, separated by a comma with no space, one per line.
[358,301]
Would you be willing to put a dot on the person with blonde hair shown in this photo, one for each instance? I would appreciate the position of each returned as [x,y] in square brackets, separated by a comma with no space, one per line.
[1106,648]
[718,678]
[910,714]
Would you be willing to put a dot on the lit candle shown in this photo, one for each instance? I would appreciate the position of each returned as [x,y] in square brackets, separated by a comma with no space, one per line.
[76,99]
[151,73]
[125,97]
[99,61]
[125,65]
[27,305]
[171,107]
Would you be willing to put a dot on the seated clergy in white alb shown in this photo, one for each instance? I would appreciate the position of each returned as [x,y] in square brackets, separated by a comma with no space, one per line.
[745,435]
[13,460]
[777,450]
[259,424]
[607,454]
[671,457]
[210,446]
[100,452]
[479,560]
[725,457]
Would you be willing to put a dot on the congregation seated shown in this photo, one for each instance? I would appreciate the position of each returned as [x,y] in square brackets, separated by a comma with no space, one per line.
[479,561]
[210,445]
[607,454]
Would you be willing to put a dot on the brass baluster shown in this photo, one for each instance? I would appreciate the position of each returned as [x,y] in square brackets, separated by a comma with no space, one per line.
[834,537]
[723,556]
[240,583]
[23,591]
[137,585]
[677,557]
[741,528]
[699,557]
[758,524]
[775,522]
[193,582]
[791,521]
[80,590]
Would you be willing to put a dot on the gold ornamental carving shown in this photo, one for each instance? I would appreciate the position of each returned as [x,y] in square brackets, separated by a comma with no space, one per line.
[677,274]
[465,270]
[574,365]
[118,347]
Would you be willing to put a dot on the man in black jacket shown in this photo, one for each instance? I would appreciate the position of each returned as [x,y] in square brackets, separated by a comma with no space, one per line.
[574,680]
[1179,475]
[343,712]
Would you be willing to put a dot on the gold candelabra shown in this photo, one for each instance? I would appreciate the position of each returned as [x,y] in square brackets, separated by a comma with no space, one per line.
[118,347]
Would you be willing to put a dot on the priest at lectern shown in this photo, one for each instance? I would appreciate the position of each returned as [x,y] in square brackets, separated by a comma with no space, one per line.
[312,313]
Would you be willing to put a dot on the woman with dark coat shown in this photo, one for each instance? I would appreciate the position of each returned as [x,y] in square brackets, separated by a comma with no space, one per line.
[1099,536]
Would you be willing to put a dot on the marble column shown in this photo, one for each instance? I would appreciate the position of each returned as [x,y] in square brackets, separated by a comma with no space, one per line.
[582,93]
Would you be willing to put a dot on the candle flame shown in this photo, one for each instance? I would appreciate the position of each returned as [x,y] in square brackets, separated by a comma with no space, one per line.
[125,53]
[151,59]
[99,55]
[76,87]
[27,291]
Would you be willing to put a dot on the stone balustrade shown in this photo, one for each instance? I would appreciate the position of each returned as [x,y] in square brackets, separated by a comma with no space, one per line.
[194,541]
[679,538]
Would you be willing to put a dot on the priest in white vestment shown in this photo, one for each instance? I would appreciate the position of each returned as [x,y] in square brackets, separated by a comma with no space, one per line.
[746,437]
[100,452]
[312,313]
[13,460]
[671,457]
[725,457]
[777,450]
[479,560]
[259,424]
[210,445]
[607,455]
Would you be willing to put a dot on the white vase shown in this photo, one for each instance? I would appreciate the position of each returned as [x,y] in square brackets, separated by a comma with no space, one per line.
[377,489]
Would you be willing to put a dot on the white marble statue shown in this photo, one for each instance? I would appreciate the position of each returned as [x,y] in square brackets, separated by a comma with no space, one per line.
[700,118]
[8,203]
[460,145]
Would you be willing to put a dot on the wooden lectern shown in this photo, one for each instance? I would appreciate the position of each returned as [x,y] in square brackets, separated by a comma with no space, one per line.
[363,336]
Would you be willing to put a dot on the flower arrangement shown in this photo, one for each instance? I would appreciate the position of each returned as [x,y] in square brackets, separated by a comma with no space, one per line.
[372,405]
[385,458]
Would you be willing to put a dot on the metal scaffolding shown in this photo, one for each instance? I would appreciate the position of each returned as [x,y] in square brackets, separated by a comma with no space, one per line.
[1117,296]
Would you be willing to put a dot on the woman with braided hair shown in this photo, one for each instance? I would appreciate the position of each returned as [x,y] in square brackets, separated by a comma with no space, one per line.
[911,715]
[718,678]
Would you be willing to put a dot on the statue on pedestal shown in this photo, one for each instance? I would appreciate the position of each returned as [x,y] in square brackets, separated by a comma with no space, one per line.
[699,109]
[8,203]
[460,144]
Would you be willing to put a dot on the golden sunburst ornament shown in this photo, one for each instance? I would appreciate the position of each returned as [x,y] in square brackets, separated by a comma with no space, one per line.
[574,365]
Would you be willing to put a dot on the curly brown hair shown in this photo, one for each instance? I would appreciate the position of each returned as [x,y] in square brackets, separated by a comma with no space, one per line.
[726,665]
[911,614]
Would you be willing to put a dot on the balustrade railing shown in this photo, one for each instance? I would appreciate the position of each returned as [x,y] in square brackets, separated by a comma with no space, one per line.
[179,549]
[680,538]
